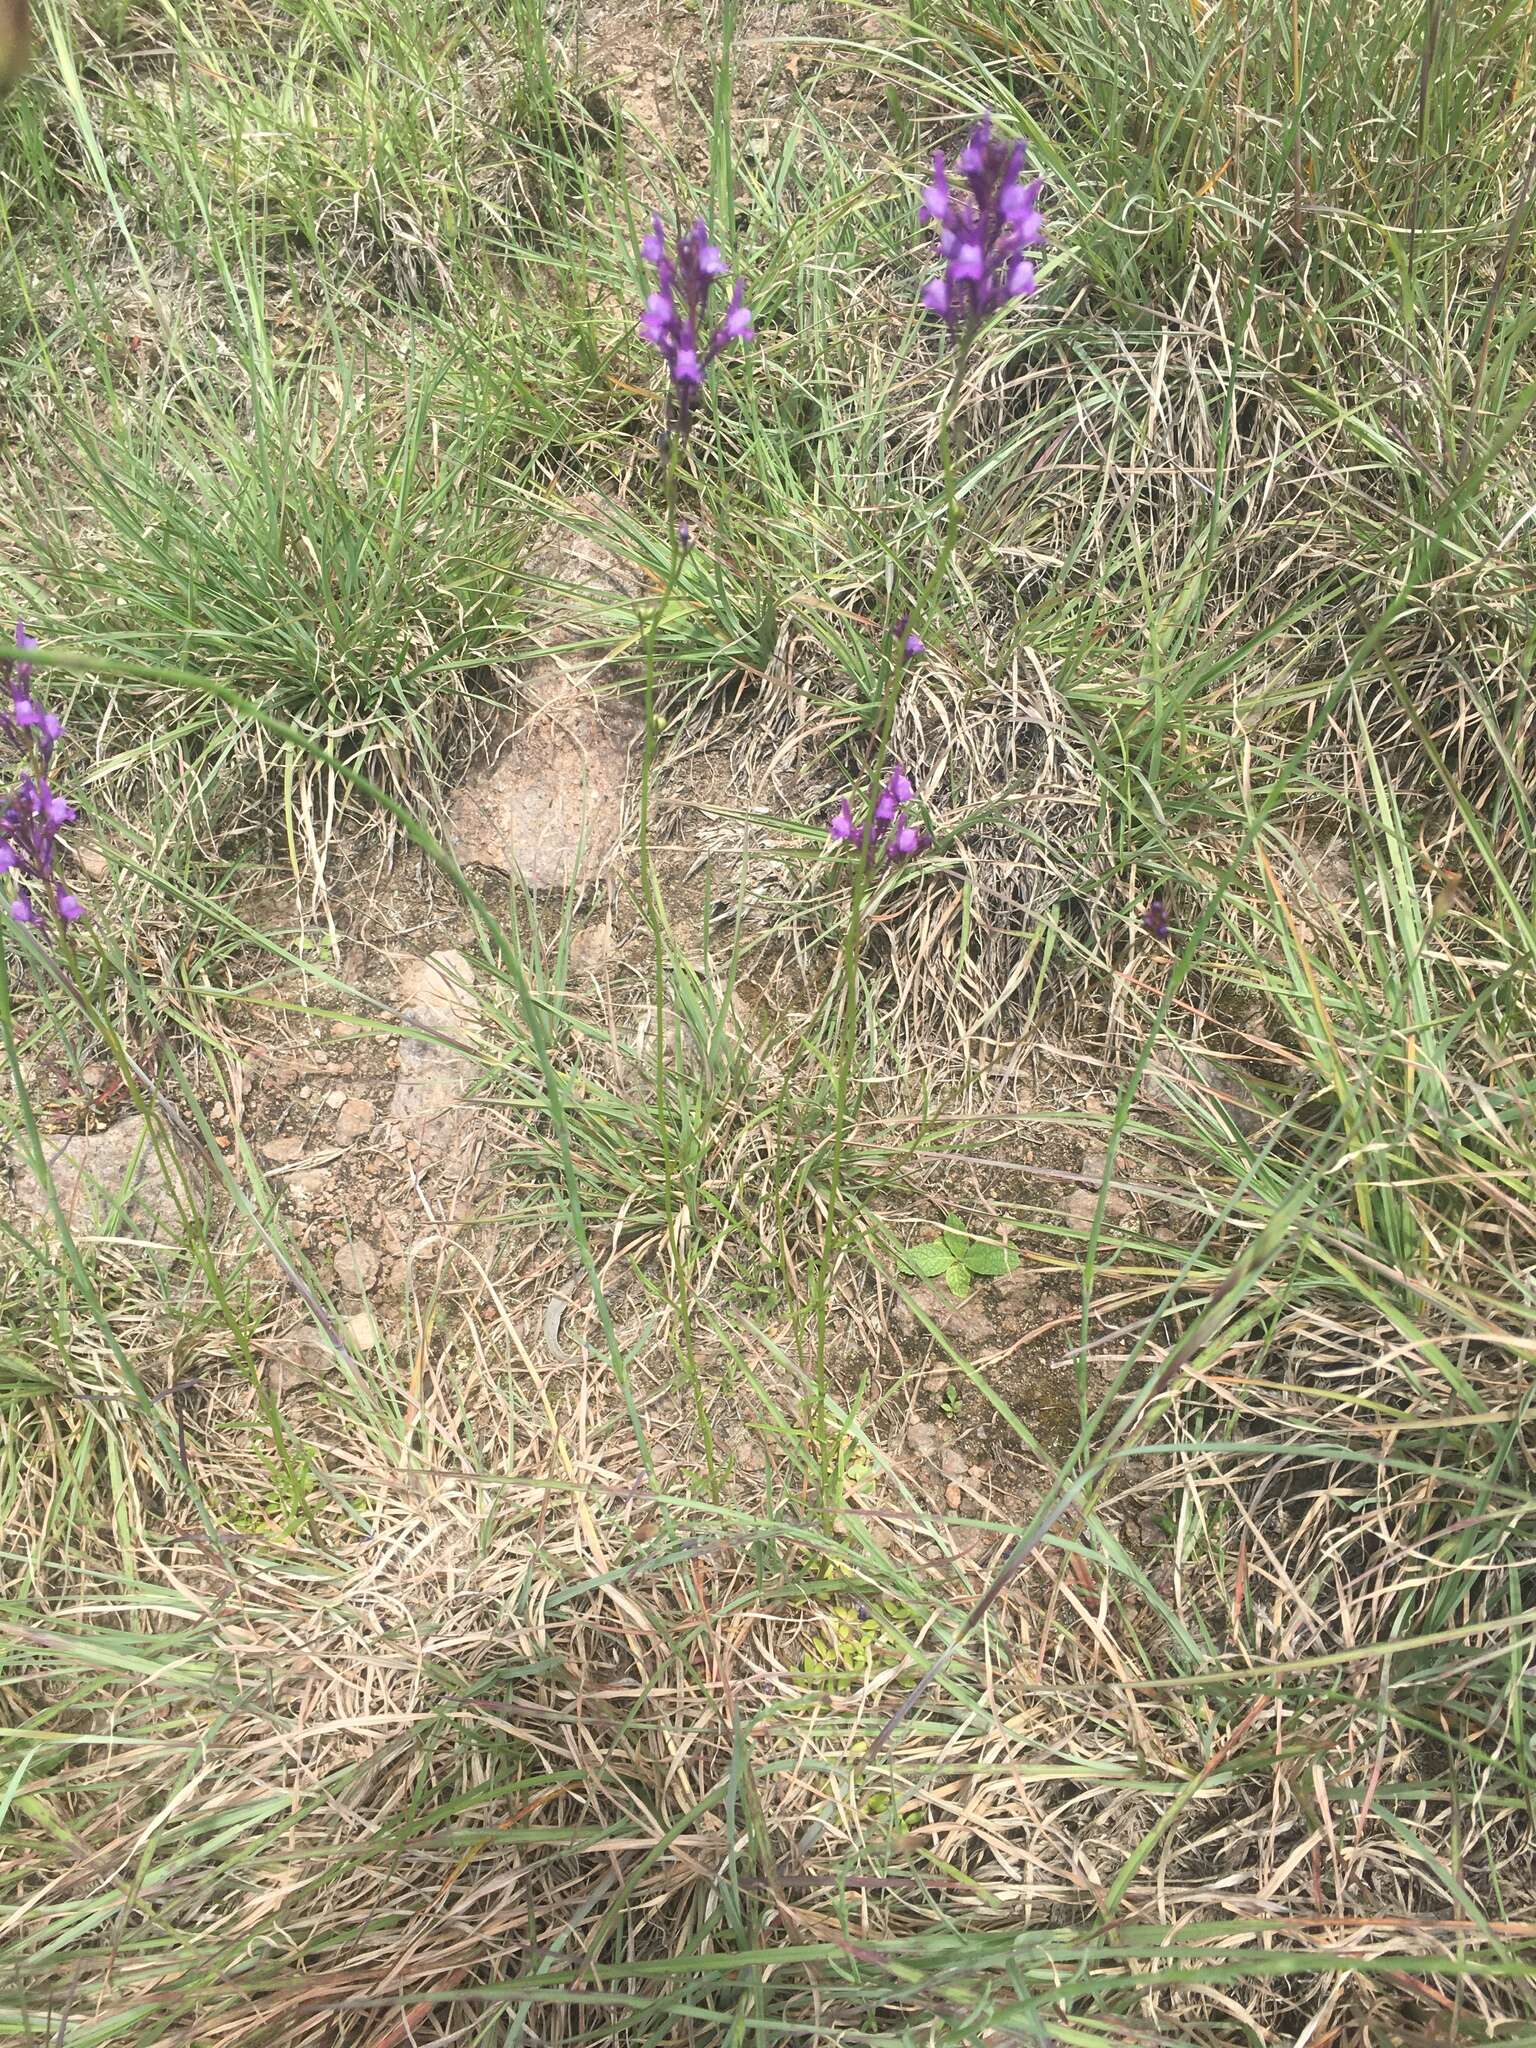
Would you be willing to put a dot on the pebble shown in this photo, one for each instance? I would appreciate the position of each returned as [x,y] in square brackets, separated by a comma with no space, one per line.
[361,1331]
[356,1118]
[357,1266]
[335,1098]
[282,1151]
[952,1495]
[305,1093]
[935,1382]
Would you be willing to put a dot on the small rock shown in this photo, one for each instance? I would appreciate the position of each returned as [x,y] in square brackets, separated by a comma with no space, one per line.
[428,1111]
[935,1382]
[347,1027]
[951,1463]
[356,1118]
[335,1097]
[357,1266]
[295,1358]
[313,1186]
[361,1331]
[592,948]
[952,1495]
[550,805]
[1178,1077]
[282,1151]
[116,1179]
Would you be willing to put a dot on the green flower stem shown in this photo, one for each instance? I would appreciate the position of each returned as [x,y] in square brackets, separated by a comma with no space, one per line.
[853,934]
[656,917]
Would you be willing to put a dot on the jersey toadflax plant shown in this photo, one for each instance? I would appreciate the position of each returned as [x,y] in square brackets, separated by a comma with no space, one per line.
[31,818]
[985,228]
[676,321]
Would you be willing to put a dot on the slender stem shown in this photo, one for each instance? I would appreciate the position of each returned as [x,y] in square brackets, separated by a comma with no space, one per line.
[656,917]
[853,932]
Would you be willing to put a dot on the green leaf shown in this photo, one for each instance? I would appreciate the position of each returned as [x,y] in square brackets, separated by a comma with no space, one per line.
[928,1259]
[957,1278]
[956,1236]
[989,1259]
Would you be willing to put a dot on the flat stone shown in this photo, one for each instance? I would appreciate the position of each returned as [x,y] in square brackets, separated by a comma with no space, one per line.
[294,1358]
[113,1180]
[355,1120]
[1176,1077]
[282,1151]
[567,566]
[361,1331]
[592,948]
[550,806]
[357,1266]
[428,1110]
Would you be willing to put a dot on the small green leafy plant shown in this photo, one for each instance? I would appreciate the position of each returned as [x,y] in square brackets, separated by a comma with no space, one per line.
[958,1258]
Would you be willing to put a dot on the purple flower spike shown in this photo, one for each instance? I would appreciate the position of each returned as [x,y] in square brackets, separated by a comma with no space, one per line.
[1154,919]
[982,233]
[30,821]
[676,320]
[889,830]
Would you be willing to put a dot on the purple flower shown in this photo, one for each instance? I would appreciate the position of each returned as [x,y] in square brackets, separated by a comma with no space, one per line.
[983,232]
[888,828]
[911,644]
[676,320]
[23,721]
[1154,919]
[30,821]
[842,825]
